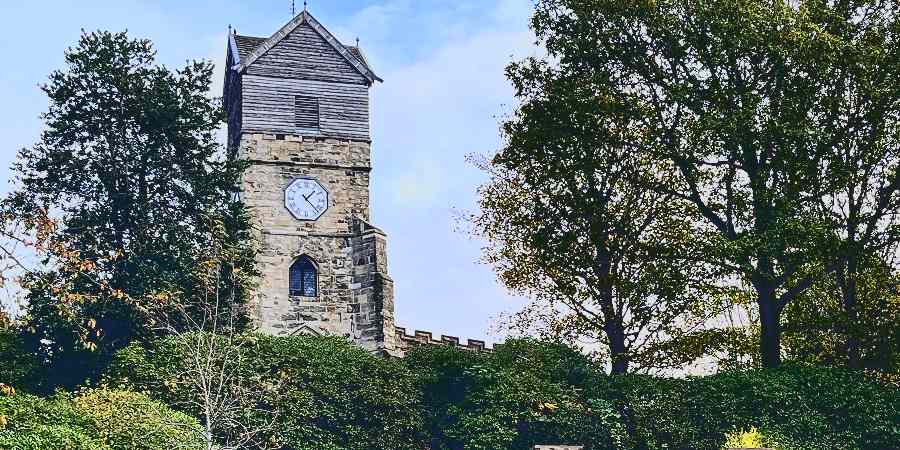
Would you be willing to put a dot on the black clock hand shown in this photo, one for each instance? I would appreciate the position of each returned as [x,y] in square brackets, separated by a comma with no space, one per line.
[306,197]
[310,203]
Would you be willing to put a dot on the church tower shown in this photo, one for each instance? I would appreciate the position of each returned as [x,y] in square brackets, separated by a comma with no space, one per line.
[298,113]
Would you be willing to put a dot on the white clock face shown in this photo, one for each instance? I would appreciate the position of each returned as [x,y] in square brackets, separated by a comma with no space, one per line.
[306,199]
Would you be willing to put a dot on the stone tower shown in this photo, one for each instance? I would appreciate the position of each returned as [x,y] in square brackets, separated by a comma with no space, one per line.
[298,113]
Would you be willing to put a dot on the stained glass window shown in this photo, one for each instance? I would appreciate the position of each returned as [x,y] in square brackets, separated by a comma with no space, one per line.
[303,278]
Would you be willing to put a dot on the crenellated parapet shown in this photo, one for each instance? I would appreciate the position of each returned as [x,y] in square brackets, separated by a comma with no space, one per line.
[406,341]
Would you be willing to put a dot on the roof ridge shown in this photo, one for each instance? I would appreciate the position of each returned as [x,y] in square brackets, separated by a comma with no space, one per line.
[233,47]
[305,17]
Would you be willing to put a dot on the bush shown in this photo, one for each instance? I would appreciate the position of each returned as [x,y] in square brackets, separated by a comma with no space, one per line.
[18,365]
[330,395]
[798,407]
[523,394]
[751,438]
[93,420]
[529,393]
[128,420]
[334,395]
[33,423]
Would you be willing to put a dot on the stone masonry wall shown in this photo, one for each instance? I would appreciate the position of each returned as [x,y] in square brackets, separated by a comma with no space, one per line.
[341,166]
[373,290]
[355,294]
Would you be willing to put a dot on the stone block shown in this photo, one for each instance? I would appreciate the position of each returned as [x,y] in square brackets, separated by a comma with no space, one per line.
[349,260]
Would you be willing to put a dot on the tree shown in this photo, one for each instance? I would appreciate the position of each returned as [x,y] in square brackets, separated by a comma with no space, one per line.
[21,236]
[573,219]
[861,199]
[130,166]
[818,326]
[740,98]
[206,332]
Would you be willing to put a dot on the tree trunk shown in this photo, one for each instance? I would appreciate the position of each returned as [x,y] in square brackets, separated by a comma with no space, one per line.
[613,325]
[850,308]
[846,278]
[770,332]
[618,353]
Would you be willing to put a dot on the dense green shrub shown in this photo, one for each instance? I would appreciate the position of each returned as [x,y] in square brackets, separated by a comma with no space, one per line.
[93,420]
[500,401]
[333,395]
[19,367]
[34,423]
[329,394]
[523,394]
[443,378]
[128,420]
[801,407]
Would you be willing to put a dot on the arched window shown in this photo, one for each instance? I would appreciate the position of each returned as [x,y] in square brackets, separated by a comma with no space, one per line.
[303,277]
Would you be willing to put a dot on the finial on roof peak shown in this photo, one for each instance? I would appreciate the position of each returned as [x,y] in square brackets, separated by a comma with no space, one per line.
[304,5]
[357,41]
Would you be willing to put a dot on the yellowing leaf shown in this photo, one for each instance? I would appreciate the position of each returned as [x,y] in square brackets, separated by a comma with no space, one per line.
[6,390]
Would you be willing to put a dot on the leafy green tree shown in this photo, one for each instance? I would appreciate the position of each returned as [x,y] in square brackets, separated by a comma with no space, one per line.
[818,325]
[130,166]
[574,219]
[862,166]
[740,98]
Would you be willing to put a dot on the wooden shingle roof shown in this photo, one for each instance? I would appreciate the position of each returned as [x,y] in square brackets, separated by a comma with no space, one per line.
[250,48]
[357,52]
[246,44]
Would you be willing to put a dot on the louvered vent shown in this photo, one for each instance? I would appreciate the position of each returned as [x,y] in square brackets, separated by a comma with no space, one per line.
[306,112]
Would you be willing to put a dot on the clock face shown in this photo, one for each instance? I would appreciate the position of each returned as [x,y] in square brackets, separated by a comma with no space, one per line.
[306,199]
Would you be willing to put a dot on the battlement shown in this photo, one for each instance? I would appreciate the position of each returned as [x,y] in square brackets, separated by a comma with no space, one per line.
[419,338]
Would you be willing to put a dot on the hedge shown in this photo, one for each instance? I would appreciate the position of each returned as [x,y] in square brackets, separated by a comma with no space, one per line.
[799,407]
[500,401]
[329,394]
[98,419]
[337,396]
[525,393]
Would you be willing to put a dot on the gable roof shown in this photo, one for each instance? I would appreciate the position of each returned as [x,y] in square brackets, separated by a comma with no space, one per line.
[250,49]
[306,330]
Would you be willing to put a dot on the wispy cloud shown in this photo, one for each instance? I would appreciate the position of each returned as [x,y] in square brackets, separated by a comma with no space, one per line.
[441,99]
[443,64]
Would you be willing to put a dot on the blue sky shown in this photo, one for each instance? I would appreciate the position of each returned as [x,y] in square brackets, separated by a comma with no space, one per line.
[444,92]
